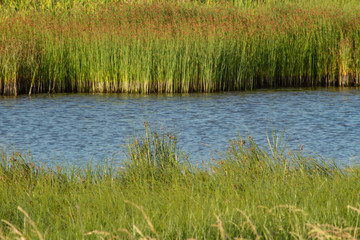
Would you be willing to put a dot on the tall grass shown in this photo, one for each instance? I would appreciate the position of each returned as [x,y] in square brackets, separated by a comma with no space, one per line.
[249,192]
[178,47]
[56,5]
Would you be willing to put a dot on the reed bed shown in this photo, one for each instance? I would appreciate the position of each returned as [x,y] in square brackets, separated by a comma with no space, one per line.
[177,47]
[56,5]
[248,192]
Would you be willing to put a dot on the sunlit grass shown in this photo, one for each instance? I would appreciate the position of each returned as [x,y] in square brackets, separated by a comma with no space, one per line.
[250,192]
[58,5]
[178,47]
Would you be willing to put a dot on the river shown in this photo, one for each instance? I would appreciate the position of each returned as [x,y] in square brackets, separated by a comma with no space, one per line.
[78,128]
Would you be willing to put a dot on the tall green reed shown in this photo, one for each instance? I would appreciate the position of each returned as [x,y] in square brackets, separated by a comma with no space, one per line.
[169,47]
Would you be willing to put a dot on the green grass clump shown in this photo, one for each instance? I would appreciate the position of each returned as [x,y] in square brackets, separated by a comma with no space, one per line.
[250,192]
[177,47]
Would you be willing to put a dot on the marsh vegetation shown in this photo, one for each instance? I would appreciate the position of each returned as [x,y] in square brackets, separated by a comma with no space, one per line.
[250,192]
[177,46]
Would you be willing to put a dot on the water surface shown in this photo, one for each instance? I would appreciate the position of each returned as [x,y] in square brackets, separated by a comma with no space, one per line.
[77,128]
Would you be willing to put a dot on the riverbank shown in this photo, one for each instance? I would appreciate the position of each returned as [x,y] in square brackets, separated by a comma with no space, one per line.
[249,192]
[169,46]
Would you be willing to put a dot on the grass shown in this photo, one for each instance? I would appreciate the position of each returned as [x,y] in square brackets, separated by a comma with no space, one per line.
[169,46]
[250,192]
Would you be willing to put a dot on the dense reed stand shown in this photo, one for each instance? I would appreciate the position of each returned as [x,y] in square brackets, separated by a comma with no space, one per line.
[178,47]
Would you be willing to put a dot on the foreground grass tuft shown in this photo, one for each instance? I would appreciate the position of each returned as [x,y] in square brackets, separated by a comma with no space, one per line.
[250,192]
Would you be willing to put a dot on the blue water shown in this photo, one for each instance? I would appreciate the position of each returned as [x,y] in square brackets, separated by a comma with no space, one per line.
[78,128]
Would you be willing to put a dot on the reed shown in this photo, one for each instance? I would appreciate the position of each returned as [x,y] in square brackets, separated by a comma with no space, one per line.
[249,191]
[56,5]
[178,47]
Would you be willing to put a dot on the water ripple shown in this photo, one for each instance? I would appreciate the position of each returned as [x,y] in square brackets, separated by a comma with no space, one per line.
[79,127]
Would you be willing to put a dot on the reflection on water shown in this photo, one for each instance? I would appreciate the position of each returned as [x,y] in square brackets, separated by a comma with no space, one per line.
[78,127]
